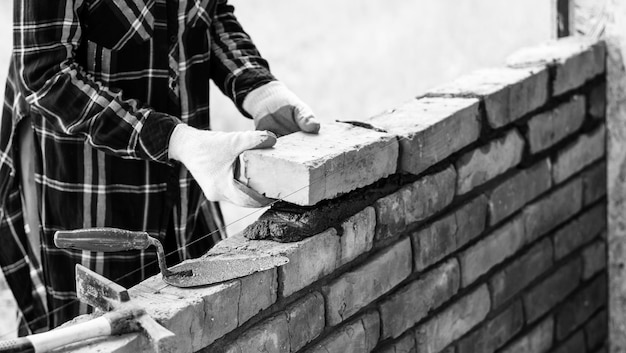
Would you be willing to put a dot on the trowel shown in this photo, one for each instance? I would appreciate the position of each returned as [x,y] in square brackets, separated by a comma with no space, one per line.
[192,273]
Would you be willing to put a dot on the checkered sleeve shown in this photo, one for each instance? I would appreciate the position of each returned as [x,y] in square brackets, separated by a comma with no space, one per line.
[236,66]
[46,37]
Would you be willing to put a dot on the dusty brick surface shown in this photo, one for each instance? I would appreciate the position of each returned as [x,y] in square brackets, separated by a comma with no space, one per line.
[309,259]
[307,168]
[430,129]
[574,344]
[448,234]
[576,59]
[512,194]
[405,344]
[429,195]
[552,290]
[359,335]
[508,93]
[414,203]
[444,328]
[496,332]
[594,183]
[271,334]
[585,150]
[597,101]
[548,128]
[201,315]
[538,340]
[358,235]
[594,259]
[579,231]
[487,162]
[355,289]
[521,272]
[305,320]
[491,250]
[581,307]
[596,330]
[258,291]
[412,302]
[553,209]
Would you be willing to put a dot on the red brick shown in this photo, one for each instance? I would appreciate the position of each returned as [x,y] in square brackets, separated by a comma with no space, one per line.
[594,183]
[360,335]
[430,129]
[552,290]
[355,289]
[553,209]
[597,329]
[487,162]
[307,168]
[574,344]
[271,334]
[518,190]
[406,307]
[597,101]
[446,327]
[575,157]
[358,235]
[548,128]
[305,320]
[508,93]
[414,203]
[491,250]
[521,272]
[405,344]
[496,332]
[576,59]
[581,307]
[594,259]
[579,231]
[538,340]
[448,234]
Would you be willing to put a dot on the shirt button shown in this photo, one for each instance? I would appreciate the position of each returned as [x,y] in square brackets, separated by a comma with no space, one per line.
[173,39]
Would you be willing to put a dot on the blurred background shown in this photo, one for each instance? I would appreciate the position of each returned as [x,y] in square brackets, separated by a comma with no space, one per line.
[356,58]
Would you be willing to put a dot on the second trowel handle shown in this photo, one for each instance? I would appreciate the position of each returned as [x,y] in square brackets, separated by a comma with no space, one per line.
[102,239]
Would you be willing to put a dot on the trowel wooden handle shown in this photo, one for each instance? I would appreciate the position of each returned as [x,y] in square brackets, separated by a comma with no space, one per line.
[102,239]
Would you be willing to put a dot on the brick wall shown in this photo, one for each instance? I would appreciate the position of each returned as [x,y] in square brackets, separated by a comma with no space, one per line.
[472,219]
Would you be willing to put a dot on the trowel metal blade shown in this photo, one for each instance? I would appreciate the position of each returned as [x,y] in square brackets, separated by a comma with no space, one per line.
[208,271]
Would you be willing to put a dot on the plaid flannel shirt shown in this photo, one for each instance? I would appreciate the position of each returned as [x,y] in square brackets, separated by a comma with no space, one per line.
[104,83]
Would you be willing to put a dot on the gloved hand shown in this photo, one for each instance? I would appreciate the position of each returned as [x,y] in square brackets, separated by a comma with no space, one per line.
[277,109]
[210,157]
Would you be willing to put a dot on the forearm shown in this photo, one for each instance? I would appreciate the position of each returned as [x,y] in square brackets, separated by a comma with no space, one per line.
[237,67]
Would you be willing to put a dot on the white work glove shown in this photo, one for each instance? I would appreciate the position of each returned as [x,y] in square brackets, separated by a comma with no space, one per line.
[210,156]
[277,109]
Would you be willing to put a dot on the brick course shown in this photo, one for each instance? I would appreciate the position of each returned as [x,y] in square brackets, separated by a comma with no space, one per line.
[508,94]
[359,287]
[443,329]
[547,294]
[496,332]
[492,250]
[430,129]
[548,128]
[538,340]
[487,162]
[515,192]
[581,307]
[412,302]
[448,234]
[587,149]
[521,272]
